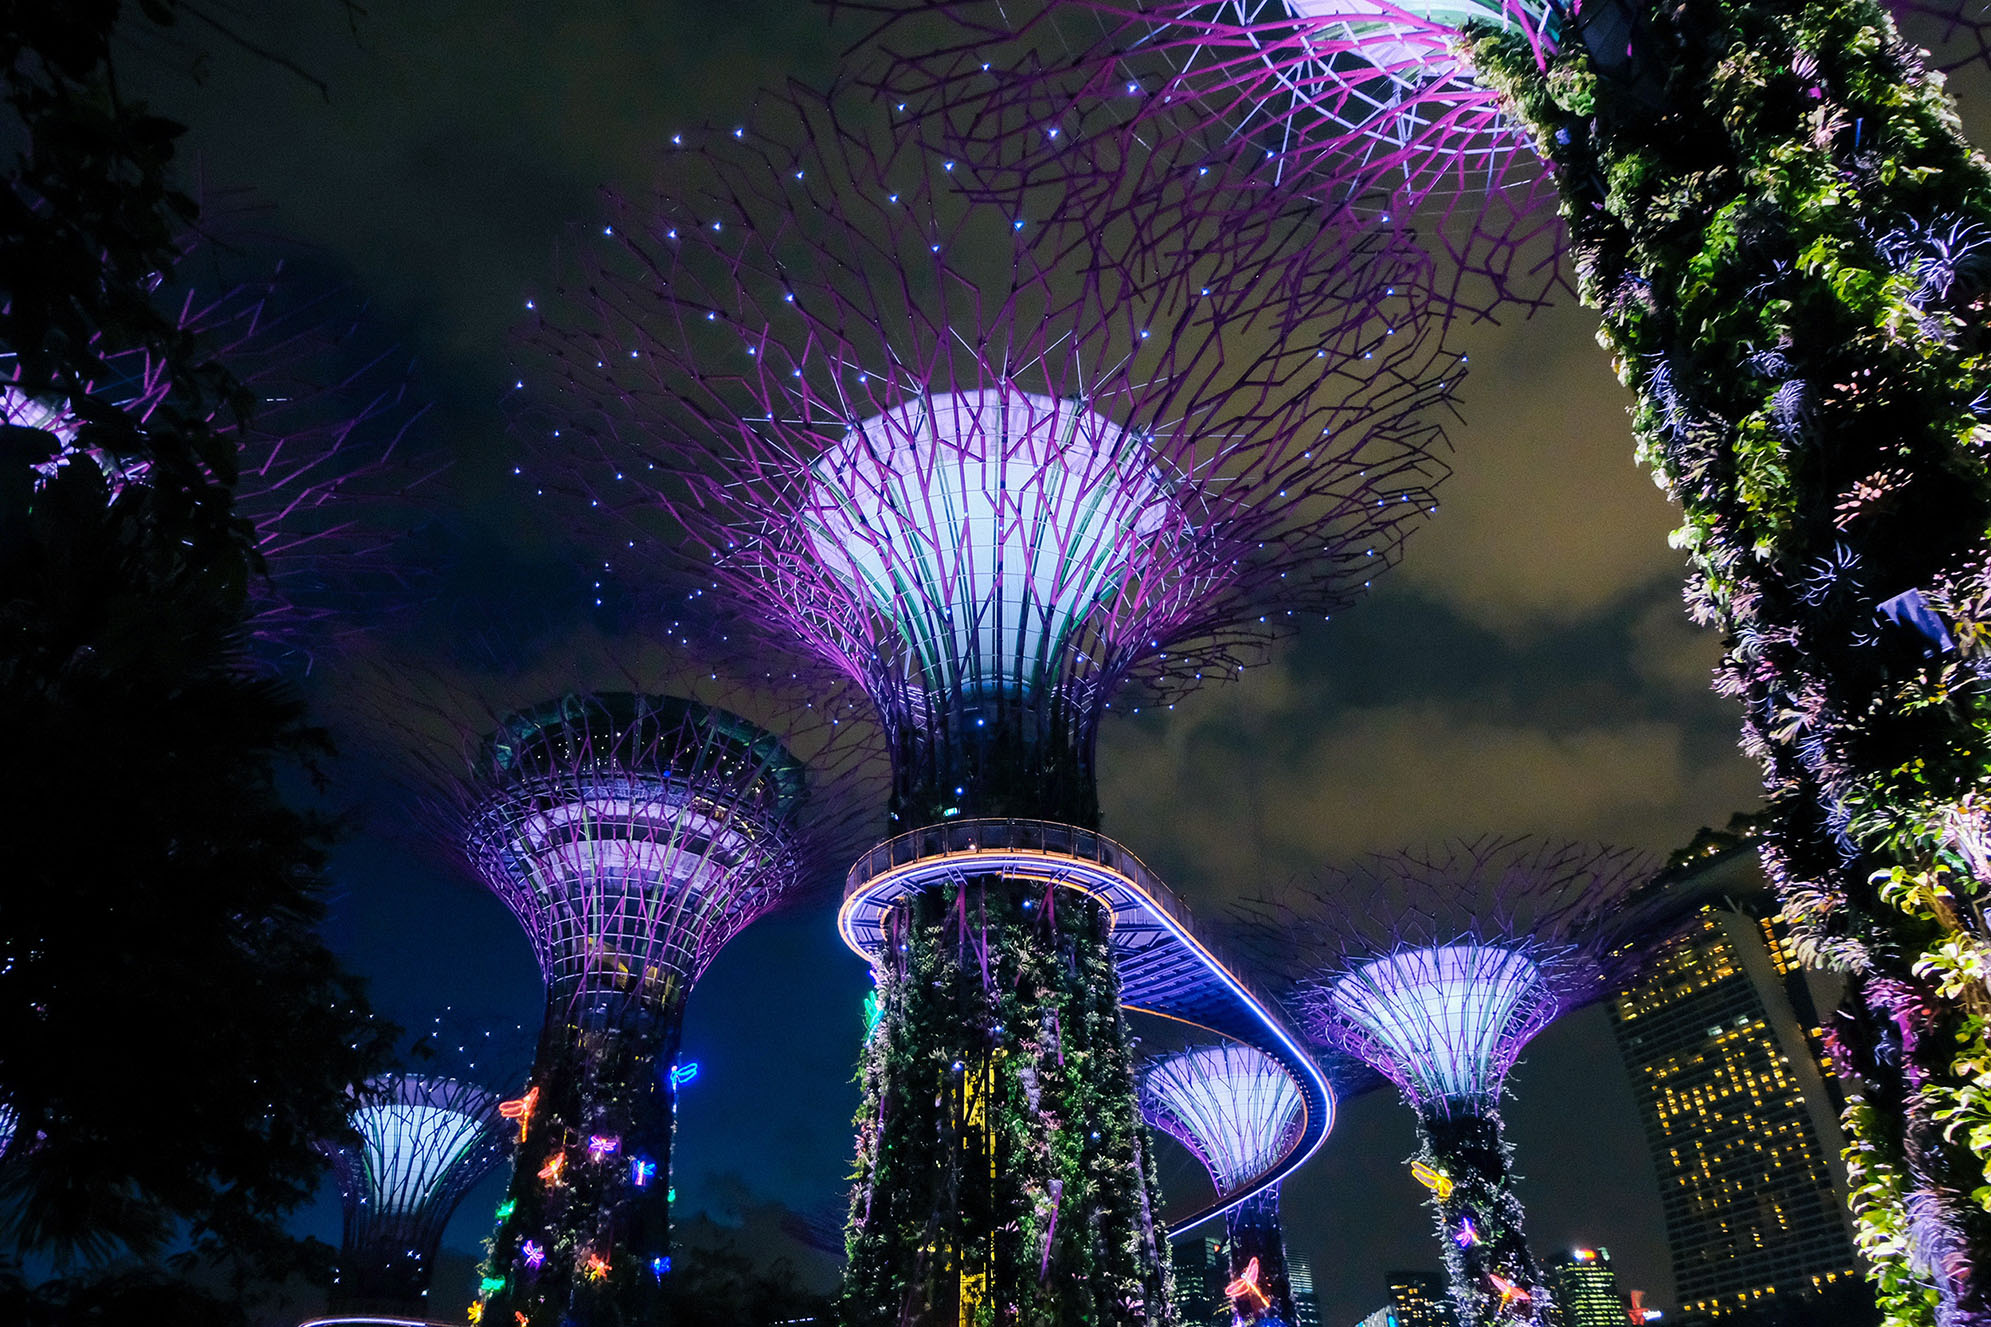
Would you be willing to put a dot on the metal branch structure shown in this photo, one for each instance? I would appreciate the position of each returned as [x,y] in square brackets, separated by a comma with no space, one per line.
[1236,1109]
[318,474]
[632,835]
[1773,208]
[1436,969]
[423,1142]
[953,456]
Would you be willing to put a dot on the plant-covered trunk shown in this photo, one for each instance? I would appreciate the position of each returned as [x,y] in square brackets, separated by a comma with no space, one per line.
[1003,1175]
[1253,1227]
[1772,207]
[1468,1169]
[584,1232]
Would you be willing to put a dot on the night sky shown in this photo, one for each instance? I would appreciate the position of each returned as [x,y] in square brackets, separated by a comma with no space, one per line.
[1527,669]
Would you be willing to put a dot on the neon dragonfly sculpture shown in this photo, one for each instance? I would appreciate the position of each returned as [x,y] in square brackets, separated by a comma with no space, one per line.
[1436,969]
[940,452]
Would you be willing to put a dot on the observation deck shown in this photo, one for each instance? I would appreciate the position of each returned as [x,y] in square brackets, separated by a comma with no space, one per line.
[1164,969]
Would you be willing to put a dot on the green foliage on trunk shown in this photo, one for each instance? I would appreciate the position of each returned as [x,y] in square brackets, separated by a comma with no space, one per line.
[1790,244]
[1003,1173]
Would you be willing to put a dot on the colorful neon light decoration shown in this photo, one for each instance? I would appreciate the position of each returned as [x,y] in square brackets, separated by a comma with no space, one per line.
[520,1109]
[1001,518]
[534,1254]
[1432,1178]
[1237,1110]
[595,1267]
[684,1073]
[641,1171]
[1245,1287]
[601,1147]
[555,1166]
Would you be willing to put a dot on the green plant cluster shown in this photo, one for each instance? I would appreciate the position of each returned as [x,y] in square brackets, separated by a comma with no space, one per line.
[1789,242]
[1003,1174]
[601,1240]
[1480,1220]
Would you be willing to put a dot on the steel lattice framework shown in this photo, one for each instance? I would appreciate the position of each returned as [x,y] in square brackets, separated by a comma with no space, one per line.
[1436,968]
[319,474]
[633,835]
[955,457]
[1358,104]
[1234,1107]
[423,1143]
[1237,1110]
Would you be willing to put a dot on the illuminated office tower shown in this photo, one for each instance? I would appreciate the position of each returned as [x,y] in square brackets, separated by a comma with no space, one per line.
[1202,1266]
[1740,1119]
[1586,1289]
[1300,1277]
[1421,1299]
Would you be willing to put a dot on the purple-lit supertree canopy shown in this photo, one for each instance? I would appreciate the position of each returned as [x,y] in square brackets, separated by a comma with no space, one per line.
[315,473]
[1234,1108]
[632,835]
[1436,969]
[421,1143]
[950,455]
[1773,208]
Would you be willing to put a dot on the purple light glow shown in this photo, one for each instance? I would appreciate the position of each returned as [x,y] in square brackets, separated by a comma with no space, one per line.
[948,459]
[1446,1024]
[1436,967]
[937,509]
[1234,1107]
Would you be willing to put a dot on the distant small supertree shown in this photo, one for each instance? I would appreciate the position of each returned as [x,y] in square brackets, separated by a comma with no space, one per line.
[632,834]
[1236,1109]
[1774,210]
[1436,969]
[423,1142]
[941,451]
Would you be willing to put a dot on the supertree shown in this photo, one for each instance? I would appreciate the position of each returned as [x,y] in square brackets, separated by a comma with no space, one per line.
[1436,968]
[309,444]
[1234,1107]
[943,453]
[1772,206]
[422,1142]
[632,835]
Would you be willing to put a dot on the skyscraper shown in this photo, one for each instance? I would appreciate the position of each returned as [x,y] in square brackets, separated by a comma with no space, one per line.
[1719,1035]
[1421,1299]
[1202,1267]
[1586,1289]
[1300,1275]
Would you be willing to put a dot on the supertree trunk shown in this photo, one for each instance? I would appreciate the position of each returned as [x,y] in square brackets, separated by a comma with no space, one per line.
[1253,1227]
[1003,1173]
[1774,210]
[1469,1172]
[584,1233]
